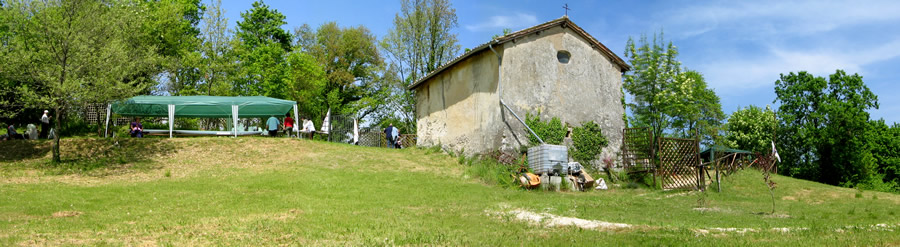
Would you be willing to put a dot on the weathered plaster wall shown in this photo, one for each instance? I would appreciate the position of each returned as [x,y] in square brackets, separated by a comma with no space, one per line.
[587,88]
[459,109]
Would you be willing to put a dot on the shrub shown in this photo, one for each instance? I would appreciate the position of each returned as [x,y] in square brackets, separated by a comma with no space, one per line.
[552,132]
[588,141]
[75,126]
[490,171]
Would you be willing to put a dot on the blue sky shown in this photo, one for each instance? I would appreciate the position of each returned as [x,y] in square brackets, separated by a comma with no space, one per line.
[741,47]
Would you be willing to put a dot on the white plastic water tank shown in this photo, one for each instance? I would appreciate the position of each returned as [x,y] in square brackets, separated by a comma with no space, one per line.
[544,158]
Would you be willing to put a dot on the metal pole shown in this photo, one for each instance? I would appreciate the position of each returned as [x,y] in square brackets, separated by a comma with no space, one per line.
[106,130]
[296,121]
[171,119]
[234,119]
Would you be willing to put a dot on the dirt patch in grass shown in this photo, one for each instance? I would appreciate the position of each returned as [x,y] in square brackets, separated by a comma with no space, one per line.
[550,220]
[62,214]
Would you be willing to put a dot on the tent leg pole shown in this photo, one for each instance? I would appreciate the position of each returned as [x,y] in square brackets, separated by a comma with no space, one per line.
[171,119]
[296,120]
[106,130]
[234,117]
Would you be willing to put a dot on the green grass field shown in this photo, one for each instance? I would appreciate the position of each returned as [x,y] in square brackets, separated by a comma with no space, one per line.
[259,191]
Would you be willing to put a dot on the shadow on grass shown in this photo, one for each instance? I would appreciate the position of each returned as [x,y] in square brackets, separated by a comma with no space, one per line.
[96,156]
[16,150]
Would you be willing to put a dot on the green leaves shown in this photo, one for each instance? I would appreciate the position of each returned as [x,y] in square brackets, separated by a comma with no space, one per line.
[351,62]
[420,41]
[261,26]
[751,129]
[588,141]
[552,132]
[665,98]
[824,127]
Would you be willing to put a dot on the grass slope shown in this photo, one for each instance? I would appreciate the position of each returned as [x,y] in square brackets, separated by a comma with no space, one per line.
[258,191]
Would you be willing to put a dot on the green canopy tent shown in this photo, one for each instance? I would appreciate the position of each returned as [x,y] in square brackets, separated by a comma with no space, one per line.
[201,107]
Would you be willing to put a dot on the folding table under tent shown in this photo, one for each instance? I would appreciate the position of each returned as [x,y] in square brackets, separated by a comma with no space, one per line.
[201,107]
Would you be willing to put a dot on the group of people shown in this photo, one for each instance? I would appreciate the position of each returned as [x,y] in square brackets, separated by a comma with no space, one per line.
[392,136]
[32,132]
[289,127]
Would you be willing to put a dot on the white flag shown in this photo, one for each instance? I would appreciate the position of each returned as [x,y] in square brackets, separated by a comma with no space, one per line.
[775,152]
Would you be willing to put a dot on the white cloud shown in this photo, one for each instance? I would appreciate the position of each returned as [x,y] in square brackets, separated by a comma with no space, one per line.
[762,39]
[517,20]
[735,74]
[779,16]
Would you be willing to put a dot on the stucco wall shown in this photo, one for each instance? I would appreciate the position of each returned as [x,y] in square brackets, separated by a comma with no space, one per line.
[460,109]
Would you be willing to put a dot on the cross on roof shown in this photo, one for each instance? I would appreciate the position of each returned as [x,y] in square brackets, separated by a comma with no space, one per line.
[566,6]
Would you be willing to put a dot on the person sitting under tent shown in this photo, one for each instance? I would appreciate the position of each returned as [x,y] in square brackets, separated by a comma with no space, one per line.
[31,132]
[272,126]
[12,134]
[288,125]
[137,129]
[308,127]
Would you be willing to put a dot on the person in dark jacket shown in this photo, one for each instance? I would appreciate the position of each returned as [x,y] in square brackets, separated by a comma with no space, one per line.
[389,135]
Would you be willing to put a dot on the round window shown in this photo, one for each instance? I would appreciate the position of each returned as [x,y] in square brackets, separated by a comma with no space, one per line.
[563,56]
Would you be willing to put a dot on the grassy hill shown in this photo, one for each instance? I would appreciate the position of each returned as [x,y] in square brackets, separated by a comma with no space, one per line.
[259,191]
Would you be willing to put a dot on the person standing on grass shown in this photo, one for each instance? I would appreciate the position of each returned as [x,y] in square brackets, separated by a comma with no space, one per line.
[389,135]
[45,125]
[272,125]
[396,134]
[137,129]
[288,124]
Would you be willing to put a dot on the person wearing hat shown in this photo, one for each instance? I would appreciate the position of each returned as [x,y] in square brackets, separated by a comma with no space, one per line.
[45,124]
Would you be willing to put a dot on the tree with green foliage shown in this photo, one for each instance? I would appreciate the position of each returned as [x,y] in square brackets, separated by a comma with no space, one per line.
[655,69]
[352,65]
[306,84]
[885,144]
[823,127]
[172,27]
[260,48]
[76,51]
[699,110]
[215,49]
[752,129]
[667,100]
[261,26]
[420,41]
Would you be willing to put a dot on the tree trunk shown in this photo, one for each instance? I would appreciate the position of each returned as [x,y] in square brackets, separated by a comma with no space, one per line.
[56,158]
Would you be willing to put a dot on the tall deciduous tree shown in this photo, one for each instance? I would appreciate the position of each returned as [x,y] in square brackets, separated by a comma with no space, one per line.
[307,84]
[666,99]
[824,127]
[172,26]
[698,109]
[77,51]
[260,48]
[752,129]
[352,65]
[261,26]
[885,143]
[215,49]
[420,41]
[653,77]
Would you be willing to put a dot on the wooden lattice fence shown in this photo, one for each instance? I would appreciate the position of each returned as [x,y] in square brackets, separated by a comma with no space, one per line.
[637,150]
[678,164]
